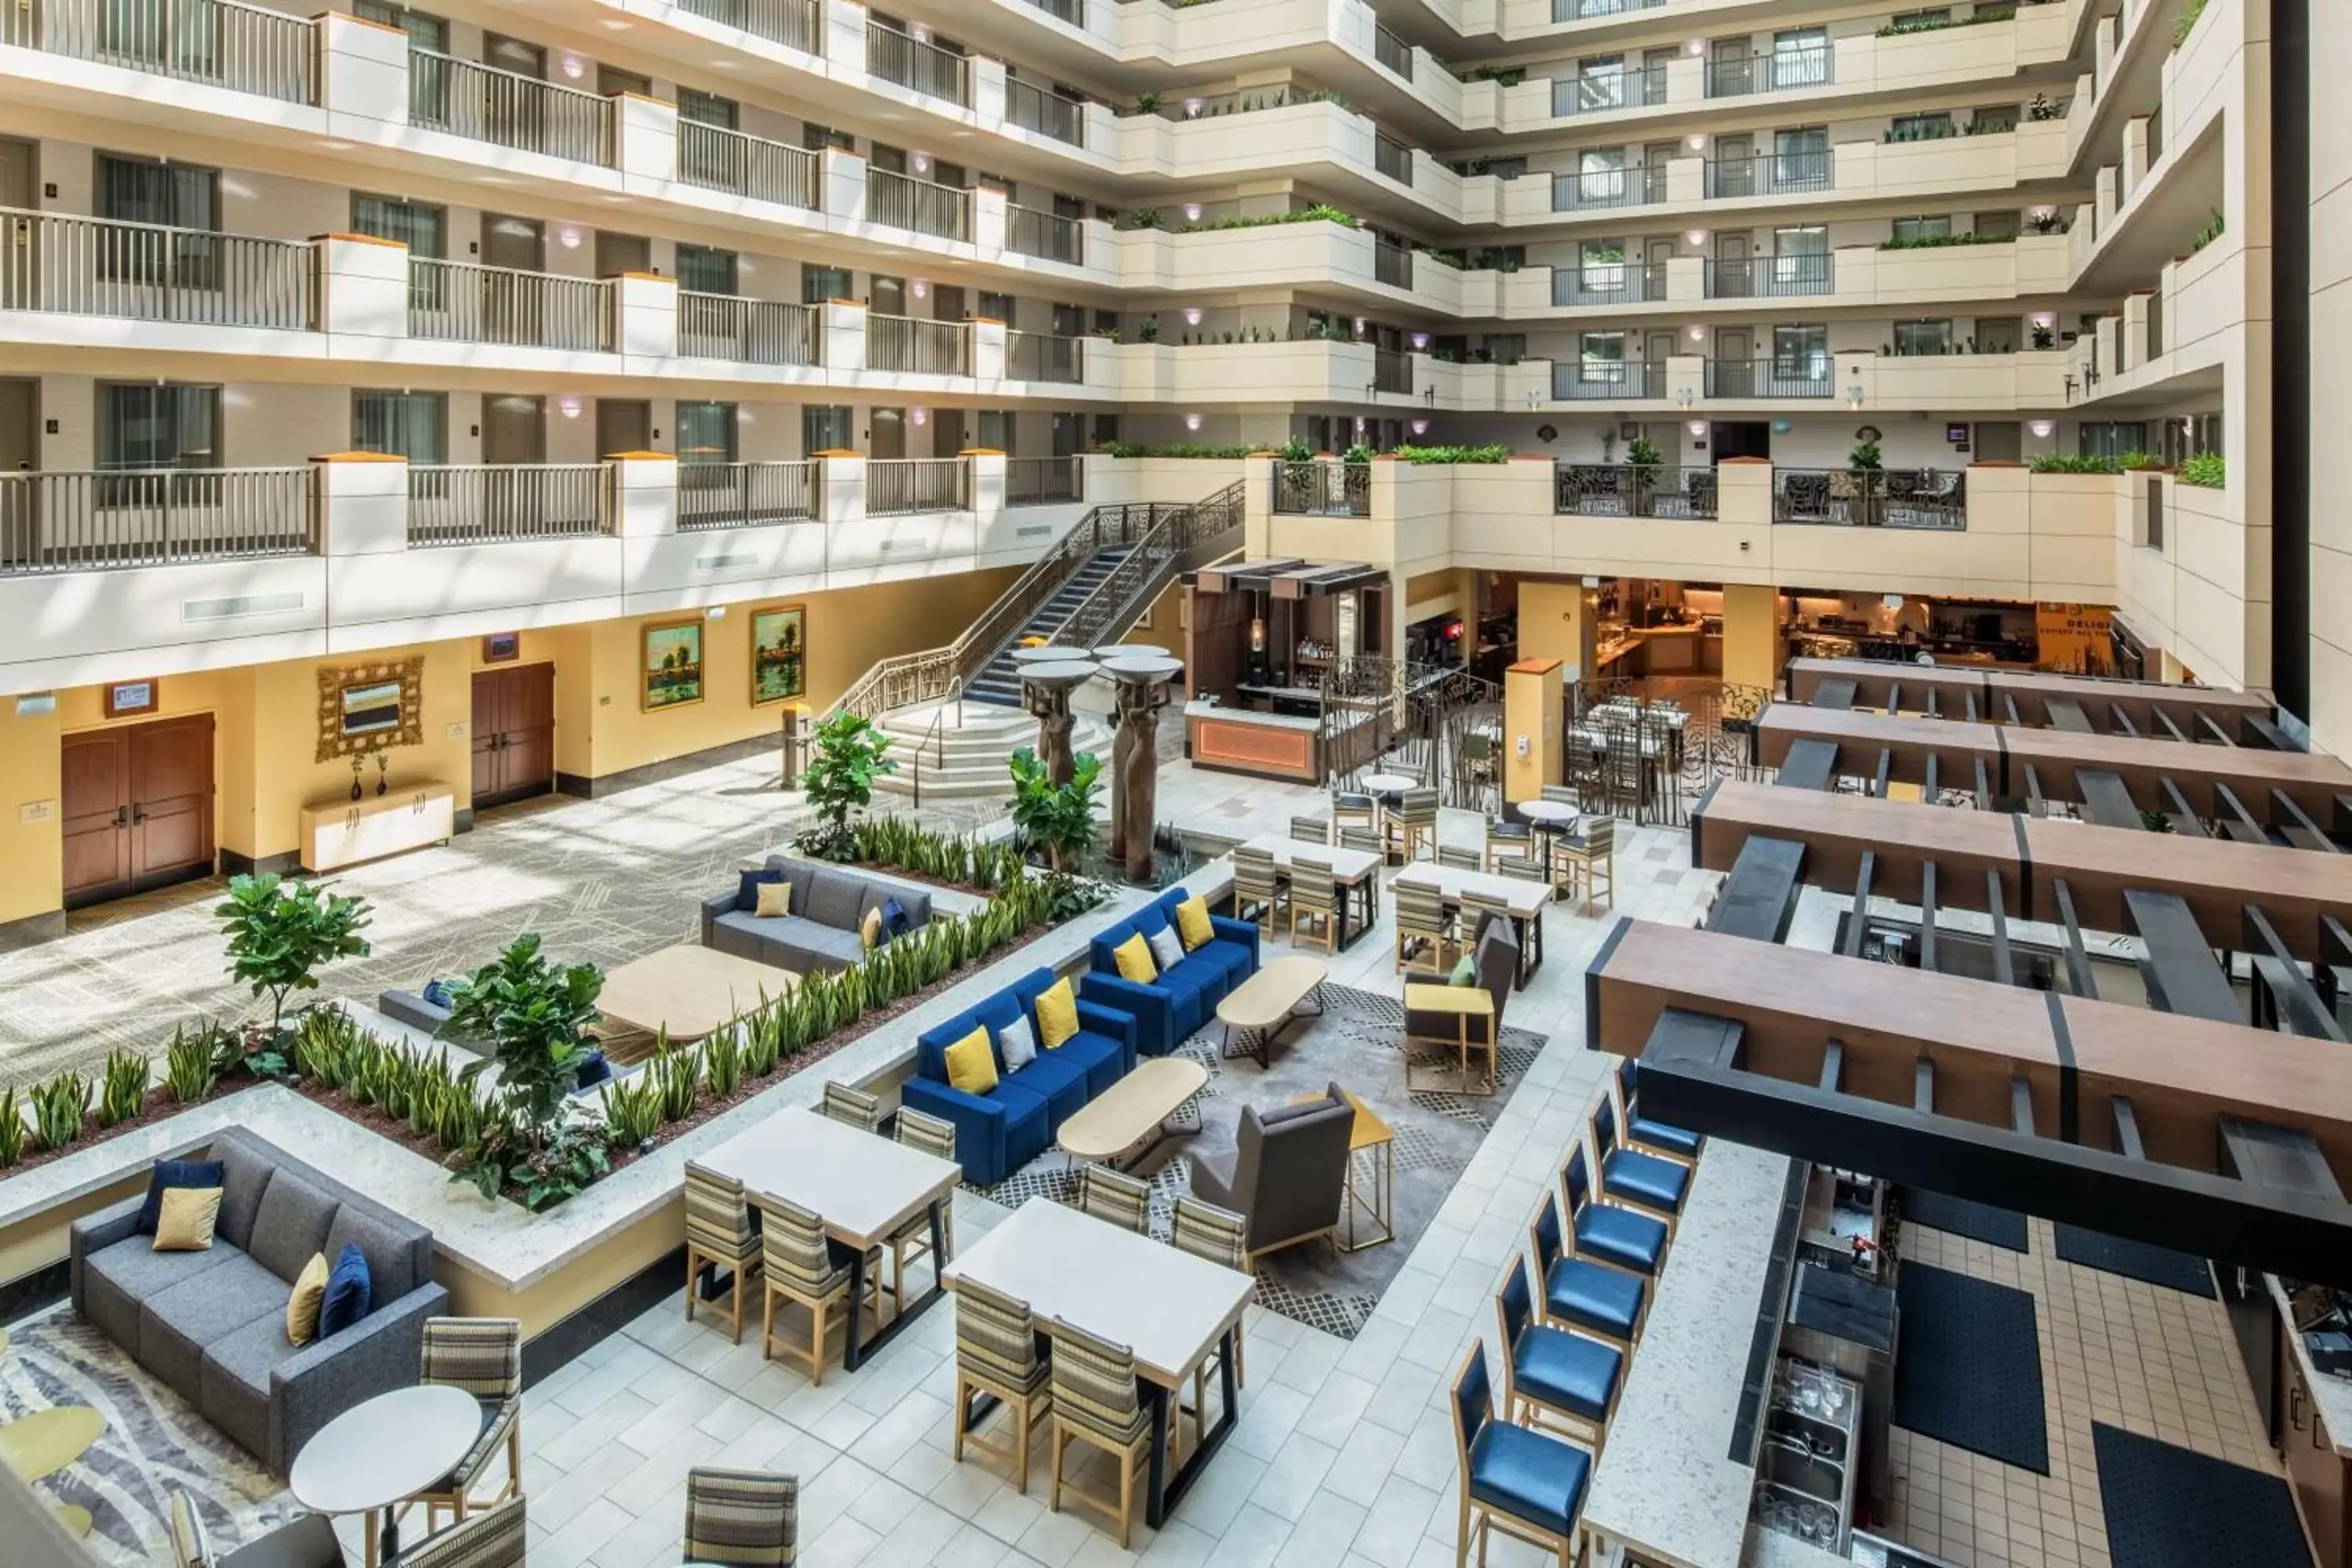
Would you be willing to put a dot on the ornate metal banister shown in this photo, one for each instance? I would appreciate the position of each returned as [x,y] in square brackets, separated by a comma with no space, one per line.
[1182,537]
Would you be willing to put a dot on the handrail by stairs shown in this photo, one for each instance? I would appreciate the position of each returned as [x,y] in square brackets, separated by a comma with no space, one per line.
[1184,537]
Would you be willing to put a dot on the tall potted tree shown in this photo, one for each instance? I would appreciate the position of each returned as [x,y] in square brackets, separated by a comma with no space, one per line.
[850,755]
[1057,818]
[534,1015]
[279,932]
[1642,455]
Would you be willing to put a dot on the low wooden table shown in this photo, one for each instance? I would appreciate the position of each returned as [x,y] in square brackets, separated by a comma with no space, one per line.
[1371,1136]
[1264,1004]
[1465,1005]
[689,991]
[1134,1114]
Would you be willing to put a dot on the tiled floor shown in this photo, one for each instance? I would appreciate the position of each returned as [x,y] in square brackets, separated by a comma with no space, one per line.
[2113,1351]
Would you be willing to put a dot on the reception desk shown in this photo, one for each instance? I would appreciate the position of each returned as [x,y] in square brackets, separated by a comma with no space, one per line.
[1272,746]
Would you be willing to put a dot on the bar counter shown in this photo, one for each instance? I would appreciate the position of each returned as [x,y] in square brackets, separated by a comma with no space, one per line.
[1270,745]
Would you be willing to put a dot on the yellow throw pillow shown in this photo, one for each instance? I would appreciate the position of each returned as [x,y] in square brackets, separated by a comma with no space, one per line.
[1134,959]
[303,1307]
[1057,1013]
[187,1222]
[972,1065]
[1192,921]
[775,900]
[869,930]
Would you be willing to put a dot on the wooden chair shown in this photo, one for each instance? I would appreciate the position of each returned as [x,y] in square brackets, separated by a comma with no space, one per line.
[853,1107]
[800,1264]
[1257,887]
[1314,896]
[1461,860]
[483,1357]
[1310,829]
[494,1539]
[1558,795]
[1220,1235]
[1584,1293]
[1590,858]
[1508,841]
[1552,1371]
[1097,1402]
[1121,1200]
[1667,1142]
[997,1354]
[1363,838]
[1412,826]
[1524,1483]
[719,1235]
[1648,1182]
[1422,924]
[1352,809]
[912,1240]
[742,1519]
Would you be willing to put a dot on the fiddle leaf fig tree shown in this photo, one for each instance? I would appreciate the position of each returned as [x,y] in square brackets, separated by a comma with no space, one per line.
[839,780]
[1057,818]
[281,930]
[533,1014]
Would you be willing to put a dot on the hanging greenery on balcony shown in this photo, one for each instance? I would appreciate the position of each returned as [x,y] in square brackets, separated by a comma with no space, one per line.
[1491,453]
[2207,232]
[2076,463]
[1188,450]
[2187,22]
[1940,241]
[2206,469]
[1937,23]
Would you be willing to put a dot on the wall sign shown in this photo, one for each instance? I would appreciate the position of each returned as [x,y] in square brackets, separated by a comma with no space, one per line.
[128,697]
[1957,434]
[502,648]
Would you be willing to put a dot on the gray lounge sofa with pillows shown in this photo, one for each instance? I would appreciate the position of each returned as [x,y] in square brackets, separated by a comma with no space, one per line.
[213,1323]
[828,905]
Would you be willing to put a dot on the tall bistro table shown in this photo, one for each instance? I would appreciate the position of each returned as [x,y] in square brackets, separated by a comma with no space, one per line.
[1171,1308]
[1551,818]
[382,1452]
[1356,872]
[864,1186]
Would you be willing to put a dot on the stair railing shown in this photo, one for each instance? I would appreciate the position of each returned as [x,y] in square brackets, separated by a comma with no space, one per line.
[1184,537]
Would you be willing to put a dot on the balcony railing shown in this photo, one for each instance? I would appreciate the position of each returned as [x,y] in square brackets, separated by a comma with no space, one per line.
[1770,277]
[1323,489]
[1622,490]
[792,23]
[1392,158]
[1043,482]
[1392,264]
[1031,107]
[1039,356]
[1783,71]
[896,487]
[1609,283]
[1630,87]
[508,109]
[1844,498]
[747,332]
[220,43]
[1768,174]
[928,348]
[496,504]
[910,61]
[901,201]
[1586,10]
[1597,188]
[1768,378]
[100,266]
[1071,11]
[1392,51]
[79,521]
[1607,381]
[745,495]
[1049,236]
[718,159]
[1391,371]
[459,301]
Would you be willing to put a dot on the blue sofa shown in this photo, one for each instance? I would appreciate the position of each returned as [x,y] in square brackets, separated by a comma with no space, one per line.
[1168,1010]
[1001,1130]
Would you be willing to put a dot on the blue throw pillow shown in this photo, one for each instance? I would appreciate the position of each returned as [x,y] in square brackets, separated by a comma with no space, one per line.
[349,1292]
[175,1174]
[894,916]
[747,891]
[593,1070]
[438,994]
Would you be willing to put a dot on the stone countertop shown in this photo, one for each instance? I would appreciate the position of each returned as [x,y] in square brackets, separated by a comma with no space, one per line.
[1771,1549]
[2331,1394]
[1665,1484]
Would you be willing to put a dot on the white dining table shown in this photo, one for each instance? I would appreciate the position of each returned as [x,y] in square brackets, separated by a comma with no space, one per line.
[1171,1309]
[864,1186]
[382,1452]
[1522,899]
[1356,872]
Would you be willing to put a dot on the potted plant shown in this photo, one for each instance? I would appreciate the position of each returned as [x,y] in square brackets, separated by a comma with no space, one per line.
[279,932]
[1642,455]
[1147,331]
[533,1015]
[839,780]
[1056,818]
[1869,480]
[2045,337]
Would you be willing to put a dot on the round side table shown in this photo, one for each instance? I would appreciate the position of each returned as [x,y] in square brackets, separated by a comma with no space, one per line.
[377,1455]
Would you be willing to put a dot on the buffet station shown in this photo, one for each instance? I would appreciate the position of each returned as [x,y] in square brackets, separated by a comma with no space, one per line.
[1285,657]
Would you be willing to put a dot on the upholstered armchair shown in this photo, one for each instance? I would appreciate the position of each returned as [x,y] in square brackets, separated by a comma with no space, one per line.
[1286,1173]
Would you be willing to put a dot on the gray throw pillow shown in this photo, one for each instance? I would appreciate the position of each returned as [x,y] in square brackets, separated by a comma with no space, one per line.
[1018,1042]
[1167,948]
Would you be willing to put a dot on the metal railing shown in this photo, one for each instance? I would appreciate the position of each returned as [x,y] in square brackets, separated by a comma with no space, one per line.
[1629,87]
[1392,51]
[1782,70]
[221,43]
[1391,371]
[896,486]
[901,201]
[1605,381]
[508,109]
[1609,283]
[1768,174]
[745,495]
[148,272]
[910,61]
[1607,188]
[1031,107]
[498,503]
[1868,497]
[1043,482]
[1040,356]
[930,348]
[461,301]
[1392,158]
[1049,236]
[1072,11]
[1768,378]
[1323,489]
[1770,277]
[1625,489]
[1585,10]
[84,521]
[792,23]
[1180,539]
[718,159]
[1392,264]
[747,332]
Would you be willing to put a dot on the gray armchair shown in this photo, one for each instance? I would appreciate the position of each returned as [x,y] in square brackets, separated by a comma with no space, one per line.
[1495,967]
[1287,1172]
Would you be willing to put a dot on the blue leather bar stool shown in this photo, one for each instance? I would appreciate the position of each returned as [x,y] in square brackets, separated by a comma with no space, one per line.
[1552,1373]
[1626,1238]
[1651,1137]
[1524,1483]
[1630,1176]
[1580,1293]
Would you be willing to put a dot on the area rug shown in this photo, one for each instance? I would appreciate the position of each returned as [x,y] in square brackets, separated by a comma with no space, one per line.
[2168,1507]
[1359,1043]
[153,1445]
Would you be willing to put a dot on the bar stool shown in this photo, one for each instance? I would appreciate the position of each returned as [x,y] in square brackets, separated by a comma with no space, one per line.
[1097,1402]
[1556,1373]
[1315,897]
[1676,1143]
[912,1240]
[719,1234]
[1524,1483]
[1412,826]
[1310,829]
[998,1353]
[1421,922]
[742,1519]
[1630,1176]
[1117,1199]
[853,1107]
[1256,886]
[1614,1234]
[1580,1293]
[1508,841]
[799,1263]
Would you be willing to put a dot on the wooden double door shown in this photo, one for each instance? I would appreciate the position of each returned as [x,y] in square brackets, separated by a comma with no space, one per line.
[137,808]
[514,734]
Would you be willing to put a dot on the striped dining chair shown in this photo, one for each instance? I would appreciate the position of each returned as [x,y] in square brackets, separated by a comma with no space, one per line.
[798,1263]
[913,1239]
[1315,899]
[853,1107]
[1218,1236]
[1412,826]
[1122,1200]
[494,1539]
[1311,829]
[483,1357]
[1097,1402]
[998,1354]
[1423,931]
[1256,888]
[719,1234]
[742,1519]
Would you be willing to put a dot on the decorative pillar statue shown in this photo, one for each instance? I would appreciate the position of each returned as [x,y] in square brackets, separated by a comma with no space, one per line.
[1045,688]
[1142,692]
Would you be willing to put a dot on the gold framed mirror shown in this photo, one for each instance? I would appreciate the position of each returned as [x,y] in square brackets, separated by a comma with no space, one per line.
[371,707]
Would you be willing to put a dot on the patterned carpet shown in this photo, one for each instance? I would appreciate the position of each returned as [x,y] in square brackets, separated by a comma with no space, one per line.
[1359,1043]
[153,1444]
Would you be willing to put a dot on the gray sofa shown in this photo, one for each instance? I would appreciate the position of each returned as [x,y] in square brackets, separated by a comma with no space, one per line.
[828,904]
[213,1323]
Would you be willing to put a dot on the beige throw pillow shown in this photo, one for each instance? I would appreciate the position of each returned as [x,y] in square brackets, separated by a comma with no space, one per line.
[303,1307]
[187,1222]
[775,900]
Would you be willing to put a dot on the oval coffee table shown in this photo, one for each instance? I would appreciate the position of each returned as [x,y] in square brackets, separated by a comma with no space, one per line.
[1263,1005]
[379,1453]
[1131,1117]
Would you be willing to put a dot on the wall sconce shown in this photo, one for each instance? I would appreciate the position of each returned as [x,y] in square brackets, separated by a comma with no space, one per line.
[568,406]
[1853,396]
[1192,212]
[1421,426]
[1697,426]
[920,416]
[1695,47]
[1894,602]
[1420,341]
[1359,326]
[1698,334]
[2043,317]
[1696,140]
[1192,422]
[922,162]
[1192,108]
[2044,212]
[1697,237]
[1257,634]
[919,33]
[568,238]
[1192,315]
[2042,428]
[920,289]
[574,67]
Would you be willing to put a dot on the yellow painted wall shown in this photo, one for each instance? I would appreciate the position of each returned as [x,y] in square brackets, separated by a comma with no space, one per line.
[1556,621]
[32,856]
[1752,635]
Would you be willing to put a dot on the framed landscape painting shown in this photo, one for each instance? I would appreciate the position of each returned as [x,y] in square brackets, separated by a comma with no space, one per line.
[673,668]
[778,654]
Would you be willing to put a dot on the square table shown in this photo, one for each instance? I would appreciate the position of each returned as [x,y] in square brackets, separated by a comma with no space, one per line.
[1522,899]
[1168,1307]
[1356,870]
[864,1186]
[688,990]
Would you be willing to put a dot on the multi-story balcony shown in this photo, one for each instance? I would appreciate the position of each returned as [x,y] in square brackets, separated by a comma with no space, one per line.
[52,522]
[1770,277]
[54,262]
[1803,377]
[1768,174]
[1608,380]
[218,43]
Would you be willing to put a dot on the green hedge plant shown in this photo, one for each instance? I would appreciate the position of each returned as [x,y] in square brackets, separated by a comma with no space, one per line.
[59,1108]
[1491,453]
[122,1088]
[2208,470]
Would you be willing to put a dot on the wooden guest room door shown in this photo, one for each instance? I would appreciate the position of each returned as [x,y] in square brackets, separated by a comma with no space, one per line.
[514,734]
[137,804]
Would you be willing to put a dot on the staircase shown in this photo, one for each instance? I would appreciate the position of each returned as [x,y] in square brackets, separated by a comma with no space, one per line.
[998,682]
[950,752]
